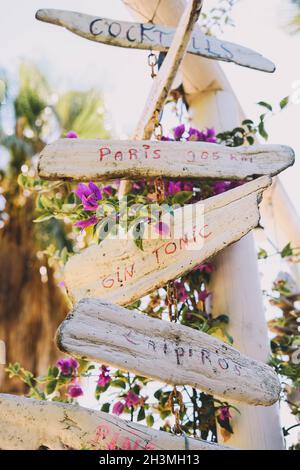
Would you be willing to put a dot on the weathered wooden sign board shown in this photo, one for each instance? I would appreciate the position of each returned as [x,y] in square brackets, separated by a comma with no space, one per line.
[118,271]
[28,424]
[166,75]
[169,352]
[85,160]
[152,37]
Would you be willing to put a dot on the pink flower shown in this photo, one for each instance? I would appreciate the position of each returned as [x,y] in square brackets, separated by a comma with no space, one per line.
[72,135]
[67,366]
[89,195]
[149,447]
[118,408]
[179,131]
[82,224]
[195,135]
[173,187]
[75,391]
[205,267]
[224,413]
[221,186]
[188,186]
[203,294]
[132,399]
[181,292]
[104,377]
[108,190]
[161,228]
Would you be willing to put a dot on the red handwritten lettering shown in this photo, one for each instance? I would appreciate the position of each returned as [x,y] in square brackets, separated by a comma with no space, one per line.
[104,151]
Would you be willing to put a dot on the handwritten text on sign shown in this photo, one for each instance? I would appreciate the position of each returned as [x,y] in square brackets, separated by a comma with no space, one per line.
[80,159]
[171,353]
[150,36]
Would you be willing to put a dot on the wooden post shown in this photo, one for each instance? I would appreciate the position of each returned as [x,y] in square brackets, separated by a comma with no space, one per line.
[281,222]
[236,284]
[237,292]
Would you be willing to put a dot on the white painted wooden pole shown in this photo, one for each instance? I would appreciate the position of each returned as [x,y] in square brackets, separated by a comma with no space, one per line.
[236,282]
[237,292]
[281,222]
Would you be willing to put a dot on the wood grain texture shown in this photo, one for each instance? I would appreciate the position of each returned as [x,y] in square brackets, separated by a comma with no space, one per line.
[152,37]
[118,271]
[28,424]
[165,351]
[85,160]
[163,82]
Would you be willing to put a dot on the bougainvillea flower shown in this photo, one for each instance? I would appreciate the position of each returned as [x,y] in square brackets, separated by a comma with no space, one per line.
[205,267]
[72,135]
[194,135]
[75,391]
[211,135]
[173,187]
[188,186]
[224,413]
[179,131]
[162,228]
[181,293]
[118,408]
[108,190]
[104,377]
[83,224]
[203,294]
[131,399]
[67,366]
[89,195]
[221,186]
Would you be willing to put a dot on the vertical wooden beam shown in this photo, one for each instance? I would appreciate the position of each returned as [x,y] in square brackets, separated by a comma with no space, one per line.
[281,222]
[237,292]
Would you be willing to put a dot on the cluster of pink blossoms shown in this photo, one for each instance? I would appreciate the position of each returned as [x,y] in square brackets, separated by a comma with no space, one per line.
[68,368]
[129,400]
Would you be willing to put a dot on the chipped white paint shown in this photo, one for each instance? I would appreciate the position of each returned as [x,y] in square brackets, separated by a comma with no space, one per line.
[85,160]
[118,271]
[166,75]
[152,37]
[27,424]
[165,351]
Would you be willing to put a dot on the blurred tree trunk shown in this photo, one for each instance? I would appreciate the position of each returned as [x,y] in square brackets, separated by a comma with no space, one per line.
[30,310]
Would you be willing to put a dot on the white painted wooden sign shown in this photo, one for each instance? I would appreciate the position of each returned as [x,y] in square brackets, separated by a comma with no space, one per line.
[166,75]
[85,160]
[27,424]
[165,351]
[152,37]
[118,271]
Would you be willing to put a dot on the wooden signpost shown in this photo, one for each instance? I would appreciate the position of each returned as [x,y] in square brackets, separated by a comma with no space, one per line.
[169,352]
[152,37]
[85,160]
[28,424]
[122,273]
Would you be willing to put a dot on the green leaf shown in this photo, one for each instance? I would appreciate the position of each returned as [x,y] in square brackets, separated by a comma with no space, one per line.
[250,139]
[105,407]
[141,414]
[150,421]
[262,254]
[286,251]
[139,243]
[265,105]
[43,218]
[118,383]
[262,131]
[284,102]
[182,197]
[51,386]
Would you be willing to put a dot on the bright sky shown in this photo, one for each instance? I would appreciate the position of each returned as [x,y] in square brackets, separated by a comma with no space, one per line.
[123,75]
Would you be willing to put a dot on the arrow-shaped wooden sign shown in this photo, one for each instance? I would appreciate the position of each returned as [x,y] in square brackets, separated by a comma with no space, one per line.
[152,37]
[120,272]
[27,424]
[165,351]
[85,160]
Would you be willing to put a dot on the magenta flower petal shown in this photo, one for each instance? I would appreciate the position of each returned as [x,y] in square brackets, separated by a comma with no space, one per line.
[86,223]
[162,229]
[118,408]
[75,391]
[132,399]
[95,191]
[179,131]
[72,135]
